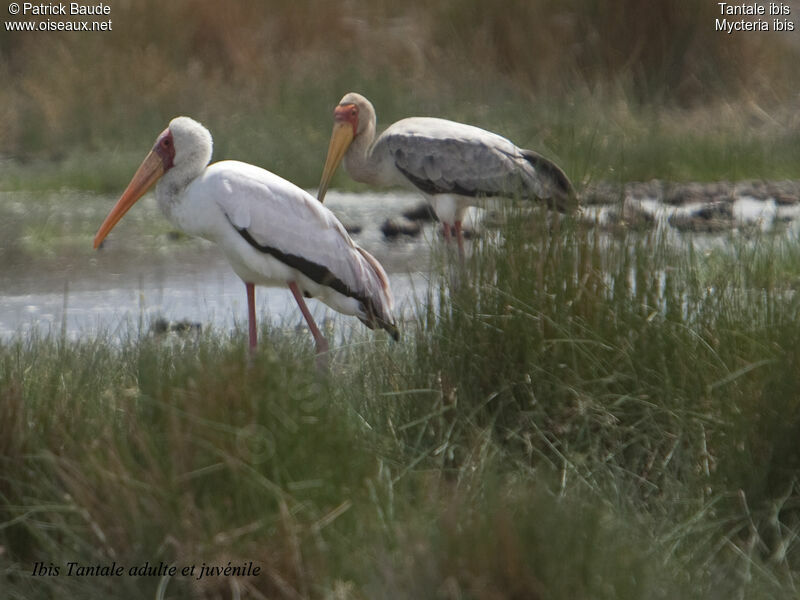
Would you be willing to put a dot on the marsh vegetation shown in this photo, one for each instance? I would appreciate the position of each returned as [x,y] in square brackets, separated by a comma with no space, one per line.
[570,414]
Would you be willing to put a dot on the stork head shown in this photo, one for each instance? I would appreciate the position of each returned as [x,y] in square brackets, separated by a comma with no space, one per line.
[183,147]
[351,117]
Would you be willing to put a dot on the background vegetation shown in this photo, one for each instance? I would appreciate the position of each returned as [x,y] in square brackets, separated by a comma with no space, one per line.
[627,90]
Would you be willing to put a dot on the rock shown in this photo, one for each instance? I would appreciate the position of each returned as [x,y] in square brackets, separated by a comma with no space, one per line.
[753,188]
[186,326]
[711,218]
[161,326]
[681,194]
[602,192]
[633,217]
[701,207]
[647,190]
[784,193]
[392,228]
[422,212]
[353,228]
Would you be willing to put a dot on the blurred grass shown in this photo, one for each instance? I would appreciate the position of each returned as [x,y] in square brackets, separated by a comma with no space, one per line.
[572,417]
[632,91]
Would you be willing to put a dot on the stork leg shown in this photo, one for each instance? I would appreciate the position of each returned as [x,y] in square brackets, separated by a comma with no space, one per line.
[446,231]
[251,315]
[319,339]
[459,239]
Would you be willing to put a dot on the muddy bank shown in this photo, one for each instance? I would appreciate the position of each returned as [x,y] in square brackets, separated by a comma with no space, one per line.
[709,208]
[715,207]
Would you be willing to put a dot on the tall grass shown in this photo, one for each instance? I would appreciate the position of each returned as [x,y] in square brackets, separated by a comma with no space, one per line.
[570,416]
[578,80]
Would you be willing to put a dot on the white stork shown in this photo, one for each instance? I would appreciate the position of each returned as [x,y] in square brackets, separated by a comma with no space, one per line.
[272,232]
[450,163]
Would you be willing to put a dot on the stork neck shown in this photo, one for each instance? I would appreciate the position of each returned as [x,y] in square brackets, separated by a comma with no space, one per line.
[172,185]
[358,159]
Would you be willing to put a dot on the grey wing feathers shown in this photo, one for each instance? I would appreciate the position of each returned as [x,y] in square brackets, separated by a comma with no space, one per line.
[460,159]
[452,166]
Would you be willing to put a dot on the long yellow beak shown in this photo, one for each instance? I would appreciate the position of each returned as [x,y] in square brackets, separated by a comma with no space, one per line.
[341,138]
[146,175]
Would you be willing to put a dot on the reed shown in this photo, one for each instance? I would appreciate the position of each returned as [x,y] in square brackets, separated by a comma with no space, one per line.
[569,415]
[610,91]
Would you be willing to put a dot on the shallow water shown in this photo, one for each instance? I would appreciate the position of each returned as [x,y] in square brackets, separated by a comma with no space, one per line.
[52,281]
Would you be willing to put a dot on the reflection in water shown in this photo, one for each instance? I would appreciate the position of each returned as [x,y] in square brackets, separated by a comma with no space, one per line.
[53,281]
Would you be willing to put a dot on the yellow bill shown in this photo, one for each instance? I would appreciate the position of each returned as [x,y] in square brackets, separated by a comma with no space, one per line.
[151,169]
[341,138]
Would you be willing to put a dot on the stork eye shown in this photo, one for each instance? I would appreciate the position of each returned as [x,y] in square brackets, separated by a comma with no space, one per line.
[354,111]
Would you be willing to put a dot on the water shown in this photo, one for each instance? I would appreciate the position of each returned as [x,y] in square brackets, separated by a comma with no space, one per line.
[52,281]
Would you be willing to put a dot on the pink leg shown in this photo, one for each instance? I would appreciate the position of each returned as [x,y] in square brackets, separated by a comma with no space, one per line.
[321,342]
[446,232]
[251,315]
[460,239]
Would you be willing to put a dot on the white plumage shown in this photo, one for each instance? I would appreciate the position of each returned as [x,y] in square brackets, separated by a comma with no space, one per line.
[450,163]
[272,232]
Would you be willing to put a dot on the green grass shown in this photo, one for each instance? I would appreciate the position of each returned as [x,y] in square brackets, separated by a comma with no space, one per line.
[570,416]
[625,144]
[616,94]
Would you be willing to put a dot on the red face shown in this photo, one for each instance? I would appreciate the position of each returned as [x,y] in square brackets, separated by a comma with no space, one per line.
[165,148]
[347,113]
